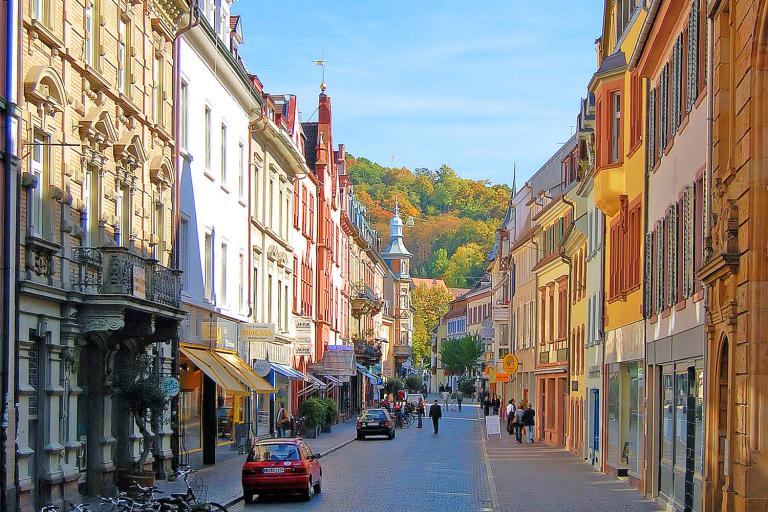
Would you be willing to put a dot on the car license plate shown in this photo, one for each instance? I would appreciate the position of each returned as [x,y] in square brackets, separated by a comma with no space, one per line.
[273,470]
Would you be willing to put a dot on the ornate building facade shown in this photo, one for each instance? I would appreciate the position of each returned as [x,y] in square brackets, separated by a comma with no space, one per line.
[97,291]
[734,269]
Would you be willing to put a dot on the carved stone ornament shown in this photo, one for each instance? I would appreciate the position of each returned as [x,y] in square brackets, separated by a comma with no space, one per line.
[39,260]
[101,319]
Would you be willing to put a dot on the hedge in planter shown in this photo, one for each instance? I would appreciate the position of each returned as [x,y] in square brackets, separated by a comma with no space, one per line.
[331,413]
[314,414]
[413,383]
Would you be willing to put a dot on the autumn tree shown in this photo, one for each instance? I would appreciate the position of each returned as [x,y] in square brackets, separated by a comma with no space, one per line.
[430,303]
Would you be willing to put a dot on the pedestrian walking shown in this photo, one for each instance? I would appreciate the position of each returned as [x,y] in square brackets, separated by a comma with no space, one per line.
[486,405]
[281,420]
[459,398]
[496,405]
[435,412]
[419,412]
[446,395]
[510,409]
[518,424]
[401,395]
[441,389]
[529,423]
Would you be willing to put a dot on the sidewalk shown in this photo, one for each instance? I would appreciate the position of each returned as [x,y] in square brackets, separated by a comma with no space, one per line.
[535,477]
[223,479]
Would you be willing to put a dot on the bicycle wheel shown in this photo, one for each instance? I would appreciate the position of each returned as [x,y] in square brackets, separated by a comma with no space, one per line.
[210,507]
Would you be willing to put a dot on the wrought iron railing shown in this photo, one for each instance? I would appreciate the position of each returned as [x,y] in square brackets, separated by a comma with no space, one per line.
[116,271]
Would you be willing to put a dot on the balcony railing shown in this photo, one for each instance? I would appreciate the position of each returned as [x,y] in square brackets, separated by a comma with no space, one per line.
[365,301]
[116,271]
[402,351]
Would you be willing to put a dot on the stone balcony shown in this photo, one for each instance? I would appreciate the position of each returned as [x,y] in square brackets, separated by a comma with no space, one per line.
[402,352]
[114,272]
[365,301]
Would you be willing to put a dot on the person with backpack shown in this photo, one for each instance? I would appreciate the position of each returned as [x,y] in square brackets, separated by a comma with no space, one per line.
[511,408]
[518,422]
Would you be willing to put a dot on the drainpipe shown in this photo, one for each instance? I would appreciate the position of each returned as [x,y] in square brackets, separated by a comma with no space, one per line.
[175,195]
[10,252]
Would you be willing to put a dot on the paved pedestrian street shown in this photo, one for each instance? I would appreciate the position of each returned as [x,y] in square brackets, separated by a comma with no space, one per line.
[420,471]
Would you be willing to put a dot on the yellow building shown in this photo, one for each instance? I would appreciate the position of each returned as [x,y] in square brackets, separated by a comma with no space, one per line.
[619,193]
[574,250]
[554,216]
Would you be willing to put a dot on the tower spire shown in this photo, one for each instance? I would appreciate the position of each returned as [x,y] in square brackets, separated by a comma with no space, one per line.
[514,179]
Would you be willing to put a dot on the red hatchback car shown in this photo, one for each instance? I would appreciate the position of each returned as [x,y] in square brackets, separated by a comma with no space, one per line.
[281,466]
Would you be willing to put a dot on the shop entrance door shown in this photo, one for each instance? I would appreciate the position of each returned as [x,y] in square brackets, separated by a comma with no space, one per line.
[595,424]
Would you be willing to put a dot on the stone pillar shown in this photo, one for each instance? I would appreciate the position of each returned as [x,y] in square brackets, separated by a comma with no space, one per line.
[73,450]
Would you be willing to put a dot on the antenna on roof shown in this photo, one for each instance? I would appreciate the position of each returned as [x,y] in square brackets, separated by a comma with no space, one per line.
[322,63]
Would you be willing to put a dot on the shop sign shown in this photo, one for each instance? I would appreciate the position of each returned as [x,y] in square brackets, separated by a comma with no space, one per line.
[511,364]
[262,420]
[340,348]
[257,332]
[301,348]
[261,367]
[170,387]
[486,331]
[502,377]
[303,326]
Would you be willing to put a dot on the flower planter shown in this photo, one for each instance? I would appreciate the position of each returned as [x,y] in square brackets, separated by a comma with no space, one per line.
[126,479]
[311,432]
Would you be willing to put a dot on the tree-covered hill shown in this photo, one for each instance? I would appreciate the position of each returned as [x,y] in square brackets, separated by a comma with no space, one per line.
[454,218]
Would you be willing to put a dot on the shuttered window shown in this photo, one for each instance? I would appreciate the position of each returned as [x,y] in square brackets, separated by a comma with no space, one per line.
[651,127]
[663,105]
[648,276]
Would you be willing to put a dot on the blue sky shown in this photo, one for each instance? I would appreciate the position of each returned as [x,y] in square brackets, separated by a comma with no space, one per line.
[421,83]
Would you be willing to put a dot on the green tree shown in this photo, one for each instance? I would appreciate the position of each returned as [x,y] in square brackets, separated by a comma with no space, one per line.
[467,263]
[430,303]
[461,355]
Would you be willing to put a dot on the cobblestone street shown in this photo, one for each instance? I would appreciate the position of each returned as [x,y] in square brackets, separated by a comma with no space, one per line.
[416,471]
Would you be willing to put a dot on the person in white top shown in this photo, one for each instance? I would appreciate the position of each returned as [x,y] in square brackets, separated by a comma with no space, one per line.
[446,397]
[511,408]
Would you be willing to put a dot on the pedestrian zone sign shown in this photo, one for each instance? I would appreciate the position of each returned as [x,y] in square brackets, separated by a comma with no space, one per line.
[492,426]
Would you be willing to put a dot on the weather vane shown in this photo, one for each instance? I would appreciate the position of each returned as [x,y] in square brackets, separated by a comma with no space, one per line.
[322,63]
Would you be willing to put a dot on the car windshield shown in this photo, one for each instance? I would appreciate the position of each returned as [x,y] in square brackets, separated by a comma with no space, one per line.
[374,415]
[273,452]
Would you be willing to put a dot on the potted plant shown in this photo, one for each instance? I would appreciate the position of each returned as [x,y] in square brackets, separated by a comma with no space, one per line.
[313,411]
[138,392]
[331,414]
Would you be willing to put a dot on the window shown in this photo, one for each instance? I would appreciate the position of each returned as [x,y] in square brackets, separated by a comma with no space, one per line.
[311,217]
[208,270]
[158,227]
[223,274]
[241,171]
[40,11]
[157,89]
[124,209]
[91,212]
[183,249]
[562,309]
[285,307]
[286,216]
[280,211]
[241,282]
[280,305]
[270,300]
[39,169]
[270,198]
[207,123]
[296,285]
[184,115]
[255,286]
[615,126]
[123,57]
[223,154]
[91,42]
[304,211]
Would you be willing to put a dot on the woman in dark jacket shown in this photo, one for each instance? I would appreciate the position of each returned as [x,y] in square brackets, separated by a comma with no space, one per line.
[496,405]
[529,423]
[487,405]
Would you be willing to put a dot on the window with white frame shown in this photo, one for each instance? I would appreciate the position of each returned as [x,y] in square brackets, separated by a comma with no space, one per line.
[183,250]
[123,53]
[207,127]
[90,44]
[223,299]
[123,209]
[158,227]
[157,88]
[38,168]
[91,202]
[241,282]
[40,11]
[208,270]
[223,154]
[183,115]
[615,126]
[241,171]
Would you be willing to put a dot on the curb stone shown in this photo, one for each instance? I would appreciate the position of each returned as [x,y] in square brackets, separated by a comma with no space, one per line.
[495,503]
[233,501]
